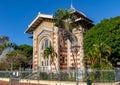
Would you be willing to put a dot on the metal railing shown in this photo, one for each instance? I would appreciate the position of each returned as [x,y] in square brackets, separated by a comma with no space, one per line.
[95,75]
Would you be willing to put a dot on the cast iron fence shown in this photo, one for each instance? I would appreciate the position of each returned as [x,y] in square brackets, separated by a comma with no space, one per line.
[95,76]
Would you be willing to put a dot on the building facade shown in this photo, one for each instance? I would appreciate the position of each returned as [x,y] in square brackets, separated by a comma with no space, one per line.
[45,34]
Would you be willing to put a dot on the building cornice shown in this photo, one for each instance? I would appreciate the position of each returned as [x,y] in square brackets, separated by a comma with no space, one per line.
[37,21]
[42,17]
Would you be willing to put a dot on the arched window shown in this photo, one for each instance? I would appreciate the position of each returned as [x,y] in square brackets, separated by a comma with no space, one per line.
[45,43]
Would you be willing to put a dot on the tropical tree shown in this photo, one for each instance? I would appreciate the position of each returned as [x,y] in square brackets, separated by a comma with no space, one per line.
[3,65]
[7,45]
[10,56]
[10,45]
[16,59]
[18,56]
[50,53]
[98,57]
[107,32]
[1,48]
[28,52]
[65,20]
[4,49]
[27,49]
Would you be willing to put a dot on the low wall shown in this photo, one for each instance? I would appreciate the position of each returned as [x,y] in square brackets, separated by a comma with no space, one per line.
[46,82]
[104,84]
[58,82]
[54,82]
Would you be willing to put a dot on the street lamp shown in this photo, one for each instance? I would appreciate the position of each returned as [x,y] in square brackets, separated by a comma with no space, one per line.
[75,50]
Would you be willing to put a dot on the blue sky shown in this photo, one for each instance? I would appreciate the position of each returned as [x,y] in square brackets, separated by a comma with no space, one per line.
[16,15]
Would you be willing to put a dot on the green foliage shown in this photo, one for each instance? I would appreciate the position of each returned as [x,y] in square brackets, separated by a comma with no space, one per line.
[3,64]
[62,76]
[18,59]
[10,45]
[98,57]
[20,55]
[44,76]
[66,20]
[27,49]
[1,48]
[107,32]
[7,45]
[63,19]
[102,75]
[49,51]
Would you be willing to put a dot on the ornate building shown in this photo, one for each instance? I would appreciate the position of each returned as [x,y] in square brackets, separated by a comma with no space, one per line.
[45,33]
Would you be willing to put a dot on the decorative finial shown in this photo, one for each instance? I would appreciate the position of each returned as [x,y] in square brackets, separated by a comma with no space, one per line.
[38,13]
[71,6]
[72,9]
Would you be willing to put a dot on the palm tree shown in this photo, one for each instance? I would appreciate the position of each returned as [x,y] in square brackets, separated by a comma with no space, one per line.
[49,52]
[65,20]
[98,56]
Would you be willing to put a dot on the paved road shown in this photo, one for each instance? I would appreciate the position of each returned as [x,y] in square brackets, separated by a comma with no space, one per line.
[15,83]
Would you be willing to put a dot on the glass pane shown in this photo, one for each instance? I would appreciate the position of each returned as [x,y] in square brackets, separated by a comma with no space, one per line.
[42,45]
[46,43]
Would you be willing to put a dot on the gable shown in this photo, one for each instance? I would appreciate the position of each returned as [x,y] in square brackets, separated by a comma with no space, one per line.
[45,25]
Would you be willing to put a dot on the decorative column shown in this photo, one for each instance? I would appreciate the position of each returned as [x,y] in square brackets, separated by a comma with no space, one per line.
[56,47]
[57,51]
[35,53]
